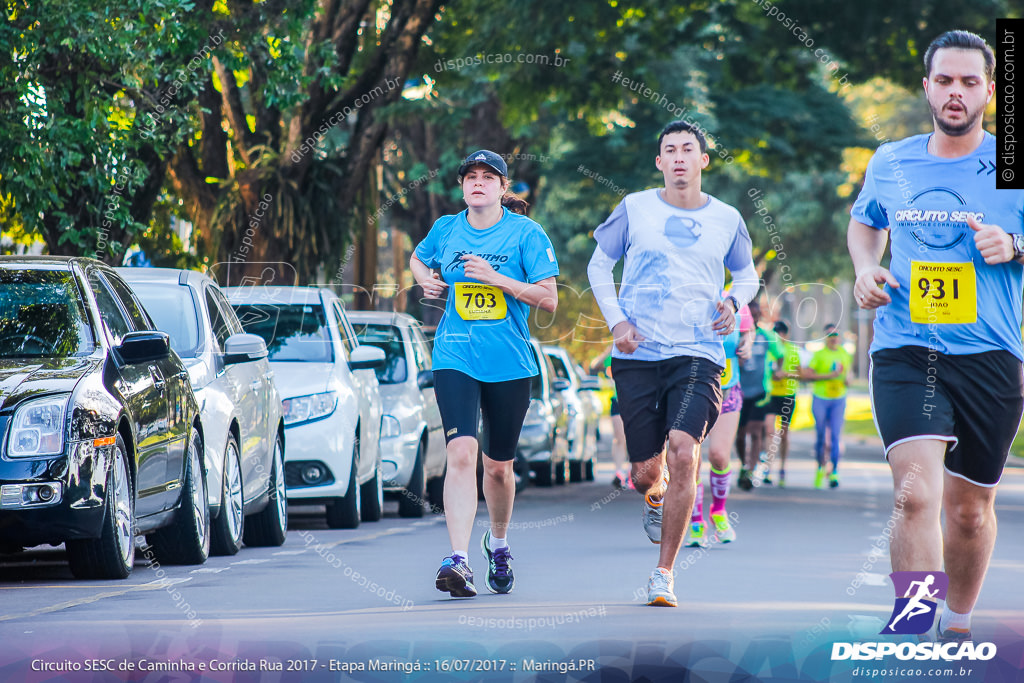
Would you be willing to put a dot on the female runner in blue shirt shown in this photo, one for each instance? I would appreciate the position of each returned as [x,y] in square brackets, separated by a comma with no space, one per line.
[494,263]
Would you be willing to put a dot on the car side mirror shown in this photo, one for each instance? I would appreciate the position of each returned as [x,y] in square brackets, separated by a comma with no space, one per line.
[590,384]
[144,347]
[561,384]
[244,348]
[425,379]
[366,357]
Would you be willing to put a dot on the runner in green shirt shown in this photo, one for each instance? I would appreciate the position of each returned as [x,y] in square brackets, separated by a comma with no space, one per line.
[828,370]
[786,374]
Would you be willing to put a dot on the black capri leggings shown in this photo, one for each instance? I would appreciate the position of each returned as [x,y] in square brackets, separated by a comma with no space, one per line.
[461,399]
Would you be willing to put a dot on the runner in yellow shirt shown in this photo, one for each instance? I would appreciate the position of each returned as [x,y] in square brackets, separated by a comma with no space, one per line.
[828,369]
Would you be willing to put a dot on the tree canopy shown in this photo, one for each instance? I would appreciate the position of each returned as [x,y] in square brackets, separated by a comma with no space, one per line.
[288,130]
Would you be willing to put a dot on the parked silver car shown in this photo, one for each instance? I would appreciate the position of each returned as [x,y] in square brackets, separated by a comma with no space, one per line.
[582,411]
[332,405]
[239,404]
[543,442]
[411,440]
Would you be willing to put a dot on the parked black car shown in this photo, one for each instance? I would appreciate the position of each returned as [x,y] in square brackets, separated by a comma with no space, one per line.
[101,433]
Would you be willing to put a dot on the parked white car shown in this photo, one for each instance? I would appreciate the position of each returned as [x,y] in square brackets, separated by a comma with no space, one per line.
[583,411]
[239,405]
[412,439]
[332,405]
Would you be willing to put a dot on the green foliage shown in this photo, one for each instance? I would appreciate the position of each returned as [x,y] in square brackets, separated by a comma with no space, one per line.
[78,82]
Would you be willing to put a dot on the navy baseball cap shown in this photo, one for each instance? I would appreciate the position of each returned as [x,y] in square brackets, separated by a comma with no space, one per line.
[487,158]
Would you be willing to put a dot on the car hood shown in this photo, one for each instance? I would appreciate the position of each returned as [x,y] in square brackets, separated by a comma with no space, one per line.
[22,378]
[397,397]
[301,379]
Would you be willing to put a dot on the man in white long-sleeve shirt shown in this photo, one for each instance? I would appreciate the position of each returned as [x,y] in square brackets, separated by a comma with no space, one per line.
[668,319]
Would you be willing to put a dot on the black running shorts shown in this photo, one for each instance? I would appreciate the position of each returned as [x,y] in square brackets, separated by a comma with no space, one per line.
[782,406]
[973,401]
[751,412]
[683,393]
[462,399]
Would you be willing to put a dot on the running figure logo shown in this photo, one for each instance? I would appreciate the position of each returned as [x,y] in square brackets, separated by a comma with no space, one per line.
[917,596]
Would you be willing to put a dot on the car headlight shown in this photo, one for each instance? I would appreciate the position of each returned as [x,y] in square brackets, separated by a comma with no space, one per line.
[307,408]
[390,426]
[38,427]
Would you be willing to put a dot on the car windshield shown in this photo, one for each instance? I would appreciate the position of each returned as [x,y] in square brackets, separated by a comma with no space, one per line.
[41,315]
[561,371]
[293,332]
[173,309]
[388,338]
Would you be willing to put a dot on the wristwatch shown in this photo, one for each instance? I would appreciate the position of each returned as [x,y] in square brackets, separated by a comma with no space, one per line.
[736,304]
[1018,245]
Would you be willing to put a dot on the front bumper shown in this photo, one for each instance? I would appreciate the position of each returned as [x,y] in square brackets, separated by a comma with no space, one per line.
[320,441]
[398,455]
[78,511]
[535,442]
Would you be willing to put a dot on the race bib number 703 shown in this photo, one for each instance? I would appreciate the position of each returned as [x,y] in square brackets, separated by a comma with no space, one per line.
[474,301]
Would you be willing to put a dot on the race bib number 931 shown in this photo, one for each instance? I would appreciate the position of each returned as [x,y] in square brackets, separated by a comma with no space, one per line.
[943,293]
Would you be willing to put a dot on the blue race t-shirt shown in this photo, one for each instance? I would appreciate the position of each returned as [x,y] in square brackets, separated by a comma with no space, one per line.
[949,299]
[471,338]
[731,372]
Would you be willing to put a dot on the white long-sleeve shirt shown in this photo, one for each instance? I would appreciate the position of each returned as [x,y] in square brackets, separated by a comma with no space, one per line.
[675,261]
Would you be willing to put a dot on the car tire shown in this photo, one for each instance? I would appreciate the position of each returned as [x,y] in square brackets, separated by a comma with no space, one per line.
[112,555]
[560,473]
[343,513]
[269,526]
[588,470]
[543,473]
[186,540]
[373,495]
[435,492]
[410,502]
[575,471]
[229,525]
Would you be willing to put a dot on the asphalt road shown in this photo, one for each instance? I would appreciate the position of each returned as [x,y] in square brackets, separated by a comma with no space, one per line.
[809,568]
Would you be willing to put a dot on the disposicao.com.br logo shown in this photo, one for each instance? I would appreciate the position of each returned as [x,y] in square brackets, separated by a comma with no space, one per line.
[917,596]
[949,652]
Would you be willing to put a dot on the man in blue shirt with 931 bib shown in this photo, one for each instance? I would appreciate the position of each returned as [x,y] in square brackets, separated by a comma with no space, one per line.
[946,357]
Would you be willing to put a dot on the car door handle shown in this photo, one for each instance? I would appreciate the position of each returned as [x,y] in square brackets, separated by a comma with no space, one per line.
[158,380]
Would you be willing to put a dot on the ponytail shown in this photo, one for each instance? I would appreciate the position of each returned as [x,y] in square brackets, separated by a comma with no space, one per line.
[514,203]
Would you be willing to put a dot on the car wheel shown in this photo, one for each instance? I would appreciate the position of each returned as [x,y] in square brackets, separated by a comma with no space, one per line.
[560,473]
[269,526]
[344,512]
[410,504]
[543,472]
[373,496]
[435,492]
[227,528]
[575,471]
[187,539]
[112,555]
[588,472]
